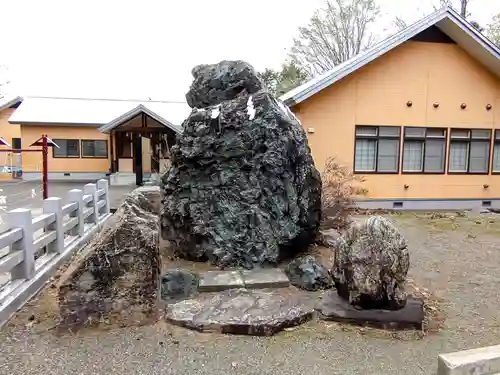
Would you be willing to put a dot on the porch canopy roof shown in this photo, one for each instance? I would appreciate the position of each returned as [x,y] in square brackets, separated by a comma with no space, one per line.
[127,117]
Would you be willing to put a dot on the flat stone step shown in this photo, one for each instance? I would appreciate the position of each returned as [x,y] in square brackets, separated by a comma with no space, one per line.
[216,281]
[242,311]
[265,278]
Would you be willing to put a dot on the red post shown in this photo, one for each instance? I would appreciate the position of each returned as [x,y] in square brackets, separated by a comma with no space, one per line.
[45,152]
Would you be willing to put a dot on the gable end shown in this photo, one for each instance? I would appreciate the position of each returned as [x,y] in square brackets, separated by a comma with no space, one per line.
[433,35]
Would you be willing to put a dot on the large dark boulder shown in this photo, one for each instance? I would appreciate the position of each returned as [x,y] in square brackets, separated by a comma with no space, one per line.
[243,189]
[370,265]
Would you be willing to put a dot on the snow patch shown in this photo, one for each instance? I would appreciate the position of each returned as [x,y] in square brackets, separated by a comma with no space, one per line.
[287,111]
[250,108]
[215,112]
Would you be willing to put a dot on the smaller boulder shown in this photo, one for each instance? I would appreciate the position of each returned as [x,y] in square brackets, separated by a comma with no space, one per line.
[306,273]
[178,284]
[370,265]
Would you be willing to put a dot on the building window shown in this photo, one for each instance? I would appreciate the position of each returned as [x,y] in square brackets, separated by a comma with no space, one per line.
[94,148]
[68,148]
[16,143]
[424,150]
[377,149]
[469,151]
[495,168]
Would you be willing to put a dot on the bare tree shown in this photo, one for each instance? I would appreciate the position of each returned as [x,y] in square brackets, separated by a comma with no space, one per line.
[463,8]
[335,34]
[400,23]
[493,30]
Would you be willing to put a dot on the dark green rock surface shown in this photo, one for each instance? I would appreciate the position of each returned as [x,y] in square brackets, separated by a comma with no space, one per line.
[178,284]
[308,274]
[243,189]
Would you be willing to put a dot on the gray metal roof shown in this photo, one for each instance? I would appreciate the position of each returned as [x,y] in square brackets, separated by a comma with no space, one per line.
[95,112]
[446,19]
[8,101]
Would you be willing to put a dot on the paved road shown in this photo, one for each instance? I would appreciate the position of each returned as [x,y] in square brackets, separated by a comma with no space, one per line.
[23,194]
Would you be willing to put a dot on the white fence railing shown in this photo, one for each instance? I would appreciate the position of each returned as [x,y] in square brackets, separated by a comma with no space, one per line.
[38,246]
[481,361]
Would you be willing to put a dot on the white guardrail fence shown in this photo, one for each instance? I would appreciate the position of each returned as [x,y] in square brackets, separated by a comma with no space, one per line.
[35,247]
[481,361]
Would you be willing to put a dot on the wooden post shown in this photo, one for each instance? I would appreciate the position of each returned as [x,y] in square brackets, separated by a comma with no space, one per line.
[112,152]
[45,152]
[138,160]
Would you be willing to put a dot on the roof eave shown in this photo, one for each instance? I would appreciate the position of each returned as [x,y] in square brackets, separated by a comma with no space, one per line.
[107,128]
[11,102]
[54,123]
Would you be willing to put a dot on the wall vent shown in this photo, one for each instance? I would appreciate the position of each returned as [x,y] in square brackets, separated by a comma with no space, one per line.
[67,174]
[486,203]
[397,204]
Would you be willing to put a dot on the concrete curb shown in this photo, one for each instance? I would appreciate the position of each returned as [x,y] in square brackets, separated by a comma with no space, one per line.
[18,292]
[481,361]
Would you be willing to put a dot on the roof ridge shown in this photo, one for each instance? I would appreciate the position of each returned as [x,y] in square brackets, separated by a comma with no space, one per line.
[106,99]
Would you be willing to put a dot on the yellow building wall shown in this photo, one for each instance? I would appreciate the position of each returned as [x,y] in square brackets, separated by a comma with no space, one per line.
[32,161]
[7,132]
[422,73]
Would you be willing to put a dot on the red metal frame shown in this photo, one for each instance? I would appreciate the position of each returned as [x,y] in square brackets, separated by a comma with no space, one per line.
[45,152]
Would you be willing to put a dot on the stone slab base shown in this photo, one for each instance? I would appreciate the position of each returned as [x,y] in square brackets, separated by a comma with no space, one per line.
[334,308]
[265,278]
[242,311]
[216,281]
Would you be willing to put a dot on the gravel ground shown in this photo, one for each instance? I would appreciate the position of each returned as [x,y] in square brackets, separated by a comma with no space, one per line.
[453,256]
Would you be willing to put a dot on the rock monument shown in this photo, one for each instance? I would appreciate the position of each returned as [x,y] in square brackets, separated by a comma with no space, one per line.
[369,271]
[243,189]
[370,265]
[118,273]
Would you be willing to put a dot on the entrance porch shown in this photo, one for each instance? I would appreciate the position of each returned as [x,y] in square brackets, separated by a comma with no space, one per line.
[140,142]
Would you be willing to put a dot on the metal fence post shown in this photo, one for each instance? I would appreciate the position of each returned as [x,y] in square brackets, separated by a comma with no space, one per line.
[104,184]
[21,218]
[92,190]
[53,205]
[76,196]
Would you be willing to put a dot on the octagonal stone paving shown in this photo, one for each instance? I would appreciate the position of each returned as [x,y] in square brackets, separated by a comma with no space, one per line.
[241,311]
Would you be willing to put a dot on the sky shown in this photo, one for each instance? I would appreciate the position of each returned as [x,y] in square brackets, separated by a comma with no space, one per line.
[131,49]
